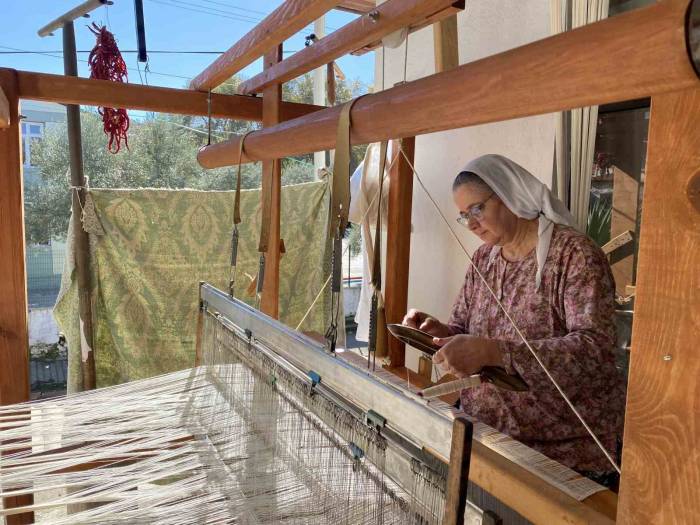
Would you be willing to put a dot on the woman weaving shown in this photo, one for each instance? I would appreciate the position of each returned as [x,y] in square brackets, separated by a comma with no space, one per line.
[557,287]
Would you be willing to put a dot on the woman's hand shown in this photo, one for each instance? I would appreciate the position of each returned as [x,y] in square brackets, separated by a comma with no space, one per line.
[425,322]
[464,355]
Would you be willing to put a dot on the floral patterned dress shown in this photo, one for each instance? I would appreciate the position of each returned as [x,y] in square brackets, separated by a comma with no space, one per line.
[569,323]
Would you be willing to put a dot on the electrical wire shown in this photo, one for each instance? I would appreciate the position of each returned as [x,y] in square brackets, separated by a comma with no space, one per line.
[185,6]
[198,8]
[48,54]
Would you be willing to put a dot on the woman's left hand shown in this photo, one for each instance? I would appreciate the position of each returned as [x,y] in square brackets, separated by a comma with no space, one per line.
[463,355]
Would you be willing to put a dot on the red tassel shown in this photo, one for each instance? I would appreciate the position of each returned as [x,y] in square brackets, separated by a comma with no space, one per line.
[106,63]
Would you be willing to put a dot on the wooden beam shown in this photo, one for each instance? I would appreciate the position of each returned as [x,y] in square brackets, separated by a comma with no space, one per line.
[644,54]
[660,467]
[272,182]
[89,92]
[446,44]
[458,476]
[14,336]
[81,242]
[398,244]
[75,13]
[4,110]
[289,18]
[357,6]
[390,16]
[521,490]
[436,17]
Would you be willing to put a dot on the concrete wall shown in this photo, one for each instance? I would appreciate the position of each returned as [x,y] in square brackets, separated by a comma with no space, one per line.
[437,262]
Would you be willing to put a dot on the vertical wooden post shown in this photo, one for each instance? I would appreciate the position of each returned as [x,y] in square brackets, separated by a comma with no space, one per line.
[446,44]
[272,180]
[660,467]
[14,336]
[80,237]
[458,475]
[398,244]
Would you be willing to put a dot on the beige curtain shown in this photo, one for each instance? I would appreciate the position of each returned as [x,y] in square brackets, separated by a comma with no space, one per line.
[576,129]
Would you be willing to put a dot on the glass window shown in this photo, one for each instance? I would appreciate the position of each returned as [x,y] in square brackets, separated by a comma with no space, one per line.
[32,133]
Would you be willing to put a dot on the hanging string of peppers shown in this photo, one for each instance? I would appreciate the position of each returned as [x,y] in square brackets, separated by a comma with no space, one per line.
[106,63]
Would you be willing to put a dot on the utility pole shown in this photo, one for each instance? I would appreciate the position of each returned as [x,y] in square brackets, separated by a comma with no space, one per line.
[78,190]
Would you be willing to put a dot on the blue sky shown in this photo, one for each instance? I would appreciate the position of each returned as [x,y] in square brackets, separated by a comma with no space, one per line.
[171,25]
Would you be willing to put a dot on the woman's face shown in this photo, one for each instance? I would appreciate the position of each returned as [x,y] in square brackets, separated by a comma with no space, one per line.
[489,218]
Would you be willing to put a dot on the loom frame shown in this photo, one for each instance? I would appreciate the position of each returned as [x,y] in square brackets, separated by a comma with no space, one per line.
[408,411]
[358,393]
[673,128]
[412,422]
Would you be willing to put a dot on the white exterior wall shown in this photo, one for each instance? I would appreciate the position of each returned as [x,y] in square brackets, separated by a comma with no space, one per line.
[438,264]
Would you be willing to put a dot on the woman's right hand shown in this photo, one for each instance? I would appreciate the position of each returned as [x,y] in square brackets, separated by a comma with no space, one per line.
[426,322]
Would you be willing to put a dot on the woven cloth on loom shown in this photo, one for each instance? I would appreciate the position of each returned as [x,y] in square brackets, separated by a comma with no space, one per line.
[149,250]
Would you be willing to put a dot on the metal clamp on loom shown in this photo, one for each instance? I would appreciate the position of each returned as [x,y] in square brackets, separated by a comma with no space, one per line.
[315,380]
[375,420]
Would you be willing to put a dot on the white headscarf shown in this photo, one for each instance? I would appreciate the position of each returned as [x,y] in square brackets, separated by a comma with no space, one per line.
[525,196]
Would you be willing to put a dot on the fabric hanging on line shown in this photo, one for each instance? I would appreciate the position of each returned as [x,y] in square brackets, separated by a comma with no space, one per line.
[149,250]
[364,189]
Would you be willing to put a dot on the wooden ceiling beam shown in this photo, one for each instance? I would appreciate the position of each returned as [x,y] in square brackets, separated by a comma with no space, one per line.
[79,11]
[289,18]
[89,92]
[632,55]
[436,17]
[390,16]
[357,6]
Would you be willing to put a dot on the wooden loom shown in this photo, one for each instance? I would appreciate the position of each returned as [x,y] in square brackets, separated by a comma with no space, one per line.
[644,53]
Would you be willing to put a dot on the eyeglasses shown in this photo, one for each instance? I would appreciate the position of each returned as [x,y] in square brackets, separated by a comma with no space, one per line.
[475,211]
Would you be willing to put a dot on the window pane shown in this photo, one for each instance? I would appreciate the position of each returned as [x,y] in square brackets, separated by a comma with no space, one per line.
[35,129]
[24,128]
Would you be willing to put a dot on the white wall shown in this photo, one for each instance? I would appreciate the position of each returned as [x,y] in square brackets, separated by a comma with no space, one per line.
[486,27]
